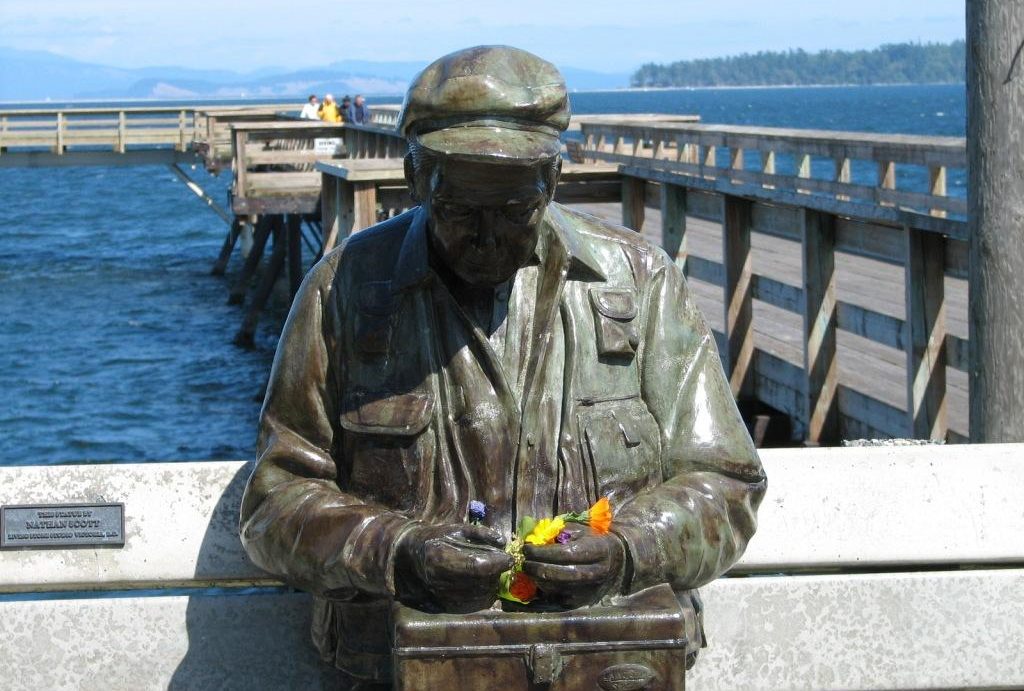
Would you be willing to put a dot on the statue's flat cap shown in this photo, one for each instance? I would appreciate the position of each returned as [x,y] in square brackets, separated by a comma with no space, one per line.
[488,101]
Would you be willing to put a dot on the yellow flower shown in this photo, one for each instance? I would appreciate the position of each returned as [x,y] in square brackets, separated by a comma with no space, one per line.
[546,530]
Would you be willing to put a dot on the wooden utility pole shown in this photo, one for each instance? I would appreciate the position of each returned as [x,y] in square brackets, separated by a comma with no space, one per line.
[995,157]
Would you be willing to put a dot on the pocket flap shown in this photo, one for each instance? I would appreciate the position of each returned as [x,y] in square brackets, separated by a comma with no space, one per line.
[616,303]
[381,412]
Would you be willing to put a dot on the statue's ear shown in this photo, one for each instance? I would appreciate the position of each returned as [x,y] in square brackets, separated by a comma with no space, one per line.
[410,179]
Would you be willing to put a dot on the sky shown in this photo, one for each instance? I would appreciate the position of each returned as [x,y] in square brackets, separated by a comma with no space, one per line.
[590,34]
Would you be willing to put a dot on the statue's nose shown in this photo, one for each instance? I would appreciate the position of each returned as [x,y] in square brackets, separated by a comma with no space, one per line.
[485,236]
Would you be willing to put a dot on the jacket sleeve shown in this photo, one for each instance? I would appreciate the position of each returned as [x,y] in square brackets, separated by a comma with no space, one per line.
[295,521]
[696,524]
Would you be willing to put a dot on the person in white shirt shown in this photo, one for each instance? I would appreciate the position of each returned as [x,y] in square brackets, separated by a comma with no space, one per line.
[311,111]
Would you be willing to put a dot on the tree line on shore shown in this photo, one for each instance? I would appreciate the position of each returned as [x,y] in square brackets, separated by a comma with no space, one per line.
[897,63]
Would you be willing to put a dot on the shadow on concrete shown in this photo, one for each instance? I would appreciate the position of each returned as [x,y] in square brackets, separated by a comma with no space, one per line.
[245,638]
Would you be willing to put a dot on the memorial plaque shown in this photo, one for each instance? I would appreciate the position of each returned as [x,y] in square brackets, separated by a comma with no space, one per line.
[62,525]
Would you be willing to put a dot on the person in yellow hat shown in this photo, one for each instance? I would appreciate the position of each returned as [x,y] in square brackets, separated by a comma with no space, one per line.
[329,111]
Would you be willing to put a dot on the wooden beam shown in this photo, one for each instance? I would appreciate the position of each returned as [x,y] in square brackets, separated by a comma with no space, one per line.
[364,205]
[252,262]
[739,329]
[995,188]
[673,224]
[295,272]
[221,265]
[330,210]
[926,323]
[820,316]
[633,197]
[246,336]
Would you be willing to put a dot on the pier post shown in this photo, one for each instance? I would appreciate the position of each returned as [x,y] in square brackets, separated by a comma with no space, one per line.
[634,191]
[738,274]
[673,224]
[820,322]
[995,101]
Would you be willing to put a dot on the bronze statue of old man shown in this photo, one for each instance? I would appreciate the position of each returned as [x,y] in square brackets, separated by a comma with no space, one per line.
[492,345]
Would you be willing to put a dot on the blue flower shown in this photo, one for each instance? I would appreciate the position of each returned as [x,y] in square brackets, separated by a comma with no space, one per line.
[477,511]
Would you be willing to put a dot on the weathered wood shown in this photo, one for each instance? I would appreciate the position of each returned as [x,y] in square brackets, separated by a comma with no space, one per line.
[246,336]
[872,325]
[673,224]
[295,271]
[221,265]
[912,149]
[261,234]
[330,210]
[926,322]
[364,205]
[952,227]
[739,329]
[820,321]
[995,101]
[633,198]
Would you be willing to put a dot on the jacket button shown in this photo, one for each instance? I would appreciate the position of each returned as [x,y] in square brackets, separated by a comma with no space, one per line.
[530,440]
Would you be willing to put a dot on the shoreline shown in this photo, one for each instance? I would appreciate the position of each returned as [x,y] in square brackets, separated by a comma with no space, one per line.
[390,99]
[731,87]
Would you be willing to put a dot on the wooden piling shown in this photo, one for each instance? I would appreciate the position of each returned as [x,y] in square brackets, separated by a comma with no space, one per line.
[739,328]
[995,101]
[820,317]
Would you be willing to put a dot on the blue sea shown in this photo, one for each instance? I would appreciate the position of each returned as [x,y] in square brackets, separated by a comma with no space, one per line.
[116,342]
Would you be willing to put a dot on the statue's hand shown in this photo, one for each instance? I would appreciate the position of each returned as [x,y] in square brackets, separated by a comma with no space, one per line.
[579,572]
[454,568]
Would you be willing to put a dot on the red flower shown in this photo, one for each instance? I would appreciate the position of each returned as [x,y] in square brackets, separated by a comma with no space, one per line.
[522,588]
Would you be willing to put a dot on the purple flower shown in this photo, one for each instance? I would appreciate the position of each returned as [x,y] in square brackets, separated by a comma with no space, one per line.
[477,511]
[563,537]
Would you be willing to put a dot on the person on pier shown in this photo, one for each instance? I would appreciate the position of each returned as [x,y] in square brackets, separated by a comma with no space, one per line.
[311,110]
[492,347]
[329,109]
[358,112]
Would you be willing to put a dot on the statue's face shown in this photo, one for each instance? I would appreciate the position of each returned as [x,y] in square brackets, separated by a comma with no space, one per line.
[484,217]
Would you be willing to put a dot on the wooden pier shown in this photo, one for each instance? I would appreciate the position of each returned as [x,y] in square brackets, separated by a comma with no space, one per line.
[832,266]
[839,303]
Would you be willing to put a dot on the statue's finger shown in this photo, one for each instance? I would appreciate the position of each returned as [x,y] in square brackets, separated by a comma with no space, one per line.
[582,551]
[484,535]
[565,574]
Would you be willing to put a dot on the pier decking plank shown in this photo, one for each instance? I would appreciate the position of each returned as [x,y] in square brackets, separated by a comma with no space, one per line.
[864,365]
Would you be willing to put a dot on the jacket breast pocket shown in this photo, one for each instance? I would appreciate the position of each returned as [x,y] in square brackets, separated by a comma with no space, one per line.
[374,317]
[615,311]
[387,442]
[622,445]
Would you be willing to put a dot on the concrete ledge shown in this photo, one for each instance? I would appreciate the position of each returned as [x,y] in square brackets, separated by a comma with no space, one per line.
[181,527]
[831,509]
[954,629]
[878,631]
[133,644]
[851,508]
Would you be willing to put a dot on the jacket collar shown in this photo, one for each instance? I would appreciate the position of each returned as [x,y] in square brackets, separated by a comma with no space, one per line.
[413,268]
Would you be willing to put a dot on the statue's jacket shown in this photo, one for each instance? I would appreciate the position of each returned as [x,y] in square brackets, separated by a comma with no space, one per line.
[388,405]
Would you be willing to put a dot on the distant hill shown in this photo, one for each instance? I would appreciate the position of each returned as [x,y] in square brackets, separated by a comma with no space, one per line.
[38,75]
[899,63]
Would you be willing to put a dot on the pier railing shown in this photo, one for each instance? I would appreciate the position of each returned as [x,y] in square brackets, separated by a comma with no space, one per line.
[897,200]
[88,135]
[866,195]
[273,164]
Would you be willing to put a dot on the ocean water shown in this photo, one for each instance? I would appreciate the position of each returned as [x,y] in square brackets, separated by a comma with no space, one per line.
[116,343]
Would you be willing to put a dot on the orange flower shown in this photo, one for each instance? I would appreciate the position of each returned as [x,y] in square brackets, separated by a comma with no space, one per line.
[600,516]
[522,587]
